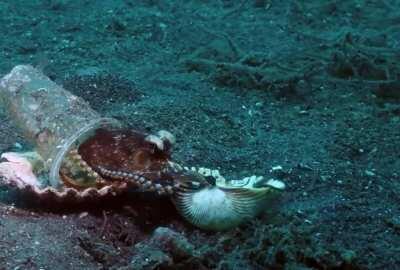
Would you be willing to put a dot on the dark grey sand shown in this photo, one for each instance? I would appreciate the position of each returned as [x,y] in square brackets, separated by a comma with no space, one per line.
[244,86]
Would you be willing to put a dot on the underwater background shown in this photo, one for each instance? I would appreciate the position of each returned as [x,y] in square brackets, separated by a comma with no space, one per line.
[309,87]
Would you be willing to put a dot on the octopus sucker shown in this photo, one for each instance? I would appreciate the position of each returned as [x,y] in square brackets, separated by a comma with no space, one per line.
[76,173]
[133,178]
[160,186]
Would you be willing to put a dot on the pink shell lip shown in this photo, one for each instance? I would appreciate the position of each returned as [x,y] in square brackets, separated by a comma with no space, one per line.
[18,168]
[73,196]
[16,171]
[51,198]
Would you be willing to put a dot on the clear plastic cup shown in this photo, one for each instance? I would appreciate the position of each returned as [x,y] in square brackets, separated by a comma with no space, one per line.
[51,118]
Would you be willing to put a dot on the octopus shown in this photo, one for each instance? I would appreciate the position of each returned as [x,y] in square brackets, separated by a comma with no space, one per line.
[81,156]
[111,161]
[143,161]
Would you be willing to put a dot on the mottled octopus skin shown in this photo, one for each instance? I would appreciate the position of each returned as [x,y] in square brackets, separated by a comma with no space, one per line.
[113,153]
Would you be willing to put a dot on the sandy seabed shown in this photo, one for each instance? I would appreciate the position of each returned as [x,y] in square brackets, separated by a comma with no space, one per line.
[244,86]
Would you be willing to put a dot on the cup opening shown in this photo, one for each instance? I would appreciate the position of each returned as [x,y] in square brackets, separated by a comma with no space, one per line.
[74,141]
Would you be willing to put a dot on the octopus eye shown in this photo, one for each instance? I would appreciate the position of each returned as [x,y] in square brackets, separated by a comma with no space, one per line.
[142,159]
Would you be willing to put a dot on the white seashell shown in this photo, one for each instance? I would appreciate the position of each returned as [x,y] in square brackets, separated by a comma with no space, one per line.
[224,206]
